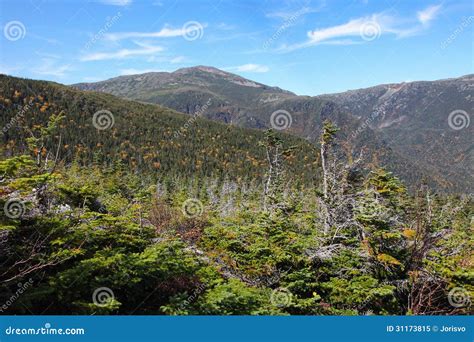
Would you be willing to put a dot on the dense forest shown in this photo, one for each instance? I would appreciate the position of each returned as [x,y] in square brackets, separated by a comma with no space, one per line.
[143,137]
[162,213]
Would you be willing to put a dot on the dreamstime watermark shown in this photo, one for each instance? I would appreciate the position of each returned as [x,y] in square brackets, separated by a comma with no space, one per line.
[103,119]
[109,22]
[197,291]
[192,208]
[459,297]
[14,30]
[192,30]
[288,22]
[46,330]
[14,297]
[460,29]
[102,296]
[21,113]
[281,119]
[192,120]
[370,30]
[458,119]
[14,208]
[366,123]
[281,297]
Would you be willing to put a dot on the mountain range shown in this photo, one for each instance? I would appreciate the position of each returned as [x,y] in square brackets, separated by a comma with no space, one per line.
[419,130]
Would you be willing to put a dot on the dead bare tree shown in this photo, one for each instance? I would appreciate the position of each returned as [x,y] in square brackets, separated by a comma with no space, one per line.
[274,183]
[339,196]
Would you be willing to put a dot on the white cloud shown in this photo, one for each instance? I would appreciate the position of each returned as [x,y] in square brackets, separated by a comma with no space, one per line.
[47,55]
[351,28]
[9,70]
[166,59]
[292,12]
[359,30]
[116,2]
[365,27]
[144,50]
[226,27]
[343,34]
[249,68]
[177,59]
[50,67]
[428,14]
[165,32]
[46,39]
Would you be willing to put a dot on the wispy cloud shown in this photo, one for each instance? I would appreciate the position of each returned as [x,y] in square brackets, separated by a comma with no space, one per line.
[342,34]
[248,68]
[50,67]
[116,2]
[355,31]
[226,27]
[350,29]
[428,14]
[287,14]
[177,60]
[165,32]
[47,55]
[9,70]
[143,50]
[162,58]
[46,39]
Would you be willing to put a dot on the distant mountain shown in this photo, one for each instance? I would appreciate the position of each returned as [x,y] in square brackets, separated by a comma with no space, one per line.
[227,97]
[401,126]
[415,119]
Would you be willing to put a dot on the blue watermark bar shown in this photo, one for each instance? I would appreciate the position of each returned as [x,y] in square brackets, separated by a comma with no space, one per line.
[237,328]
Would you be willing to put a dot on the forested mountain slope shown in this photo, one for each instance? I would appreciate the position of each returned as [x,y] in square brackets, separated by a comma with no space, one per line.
[141,136]
[404,127]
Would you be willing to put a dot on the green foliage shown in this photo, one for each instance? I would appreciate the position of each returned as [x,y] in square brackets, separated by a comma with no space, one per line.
[234,298]
[143,137]
[90,225]
[363,292]
[329,132]
[95,231]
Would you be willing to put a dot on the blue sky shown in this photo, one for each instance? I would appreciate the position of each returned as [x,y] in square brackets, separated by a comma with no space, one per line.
[308,47]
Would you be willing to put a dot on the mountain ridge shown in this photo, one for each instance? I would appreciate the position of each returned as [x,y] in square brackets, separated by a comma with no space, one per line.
[407,118]
[467,77]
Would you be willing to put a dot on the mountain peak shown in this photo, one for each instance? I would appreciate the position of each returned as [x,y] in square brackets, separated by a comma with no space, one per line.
[204,68]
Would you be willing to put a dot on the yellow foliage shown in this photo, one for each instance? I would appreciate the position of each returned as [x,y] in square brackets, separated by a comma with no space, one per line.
[387,259]
[409,233]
